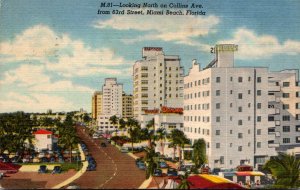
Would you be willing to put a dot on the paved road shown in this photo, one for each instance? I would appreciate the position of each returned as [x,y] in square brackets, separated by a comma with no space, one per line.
[115,170]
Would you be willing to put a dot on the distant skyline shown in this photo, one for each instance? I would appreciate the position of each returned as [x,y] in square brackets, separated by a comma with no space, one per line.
[54,54]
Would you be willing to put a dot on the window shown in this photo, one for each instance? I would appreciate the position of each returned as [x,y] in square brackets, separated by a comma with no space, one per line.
[230,144]
[249,105]
[217,145]
[240,95]
[218,79]
[230,131]
[297,128]
[249,91]
[285,95]
[298,139]
[231,105]
[231,78]
[240,148]
[285,84]
[258,118]
[258,105]
[258,132]
[249,79]
[249,131]
[217,132]
[297,94]
[240,109]
[218,119]
[297,106]
[258,144]
[271,118]
[218,93]
[286,118]
[240,135]
[297,116]
[48,136]
[231,91]
[258,79]
[285,106]
[258,92]
[286,140]
[285,128]
[240,79]
[240,122]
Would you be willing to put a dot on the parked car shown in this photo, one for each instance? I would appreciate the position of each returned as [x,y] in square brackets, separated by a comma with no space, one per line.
[162,164]
[44,159]
[43,169]
[52,159]
[141,165]
[172,172]
[56,170]
[103,144]
[124,150]
[16,159]
[157,172]
[91,167]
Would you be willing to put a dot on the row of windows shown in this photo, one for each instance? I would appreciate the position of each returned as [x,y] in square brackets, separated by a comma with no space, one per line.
[288,140]
[218,80]
[240,148]
[288,128]
[218,106]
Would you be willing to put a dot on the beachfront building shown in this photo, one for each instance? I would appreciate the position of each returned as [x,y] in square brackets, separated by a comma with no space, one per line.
[157,81]
[96,104]
[244,114]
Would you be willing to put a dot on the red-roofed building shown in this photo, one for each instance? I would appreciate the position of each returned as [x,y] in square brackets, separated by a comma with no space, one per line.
[43,139]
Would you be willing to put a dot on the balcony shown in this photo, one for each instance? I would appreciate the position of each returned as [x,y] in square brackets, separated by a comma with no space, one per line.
[273,87]
[273,145]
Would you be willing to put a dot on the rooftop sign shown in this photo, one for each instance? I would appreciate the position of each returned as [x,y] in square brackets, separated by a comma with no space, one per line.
[226,47]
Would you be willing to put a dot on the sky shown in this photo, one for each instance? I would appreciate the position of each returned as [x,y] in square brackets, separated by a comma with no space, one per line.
[54,54]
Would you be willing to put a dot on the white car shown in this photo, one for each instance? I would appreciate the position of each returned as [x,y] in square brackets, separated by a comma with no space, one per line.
[95,136]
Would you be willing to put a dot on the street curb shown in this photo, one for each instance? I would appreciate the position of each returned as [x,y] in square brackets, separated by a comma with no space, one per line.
[146,183]
[77,175]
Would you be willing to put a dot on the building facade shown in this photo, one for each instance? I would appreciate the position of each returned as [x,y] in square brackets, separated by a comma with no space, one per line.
[157,81]
[238,110]
[127,107]
[111,104]
[96,104]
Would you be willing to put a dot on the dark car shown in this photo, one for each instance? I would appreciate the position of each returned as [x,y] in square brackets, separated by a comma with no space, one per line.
[44,159]
[52,159]
[141,165]
[163,164]
[91,167]
[157,172]
[16,159]
[43,169]
[172,172]
[56,170]
[103,144]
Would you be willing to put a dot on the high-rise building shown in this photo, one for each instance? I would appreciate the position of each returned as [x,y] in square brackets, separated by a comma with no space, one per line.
[111,104]
[112,97]
[127,107]
[96,104]
[157,81]
[244,114]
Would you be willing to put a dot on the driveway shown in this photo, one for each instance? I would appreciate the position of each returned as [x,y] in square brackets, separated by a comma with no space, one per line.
[115,170]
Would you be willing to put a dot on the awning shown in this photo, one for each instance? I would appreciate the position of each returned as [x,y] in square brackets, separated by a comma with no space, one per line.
[9,167]
[249,173]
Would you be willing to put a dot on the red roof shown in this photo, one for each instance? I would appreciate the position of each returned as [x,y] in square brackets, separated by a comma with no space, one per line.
[42,132]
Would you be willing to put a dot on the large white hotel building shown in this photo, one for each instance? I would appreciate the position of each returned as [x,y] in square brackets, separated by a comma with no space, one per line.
[245,114]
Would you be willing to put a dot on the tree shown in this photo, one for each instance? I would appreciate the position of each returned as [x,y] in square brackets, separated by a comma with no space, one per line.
[86,118]
[133,130]
[114,120]
[199,152]
[161,135]
[286,170]
[150,161]
[68,139]
[184,182]
[179,139]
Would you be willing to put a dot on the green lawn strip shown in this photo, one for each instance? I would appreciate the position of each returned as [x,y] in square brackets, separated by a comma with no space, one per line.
[64,166]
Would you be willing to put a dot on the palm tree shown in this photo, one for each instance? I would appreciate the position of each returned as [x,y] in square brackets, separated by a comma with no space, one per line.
[150,161]
[184,182]
[199,152]
[286,169]
[114,120]
[68,139]
[133,130]
[161,135]
[178,138]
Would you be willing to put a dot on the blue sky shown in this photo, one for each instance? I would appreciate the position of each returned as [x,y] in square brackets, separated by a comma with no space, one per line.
[55,54]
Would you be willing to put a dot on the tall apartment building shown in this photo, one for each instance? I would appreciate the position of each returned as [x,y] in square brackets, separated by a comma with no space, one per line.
[111,104]
[239,111]
[127,101]
[157,81]
[96,104]
[112,97]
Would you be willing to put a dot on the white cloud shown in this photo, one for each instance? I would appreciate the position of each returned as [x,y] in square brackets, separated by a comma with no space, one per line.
[179,29]
[254,46]
[60,53]
[34,103]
